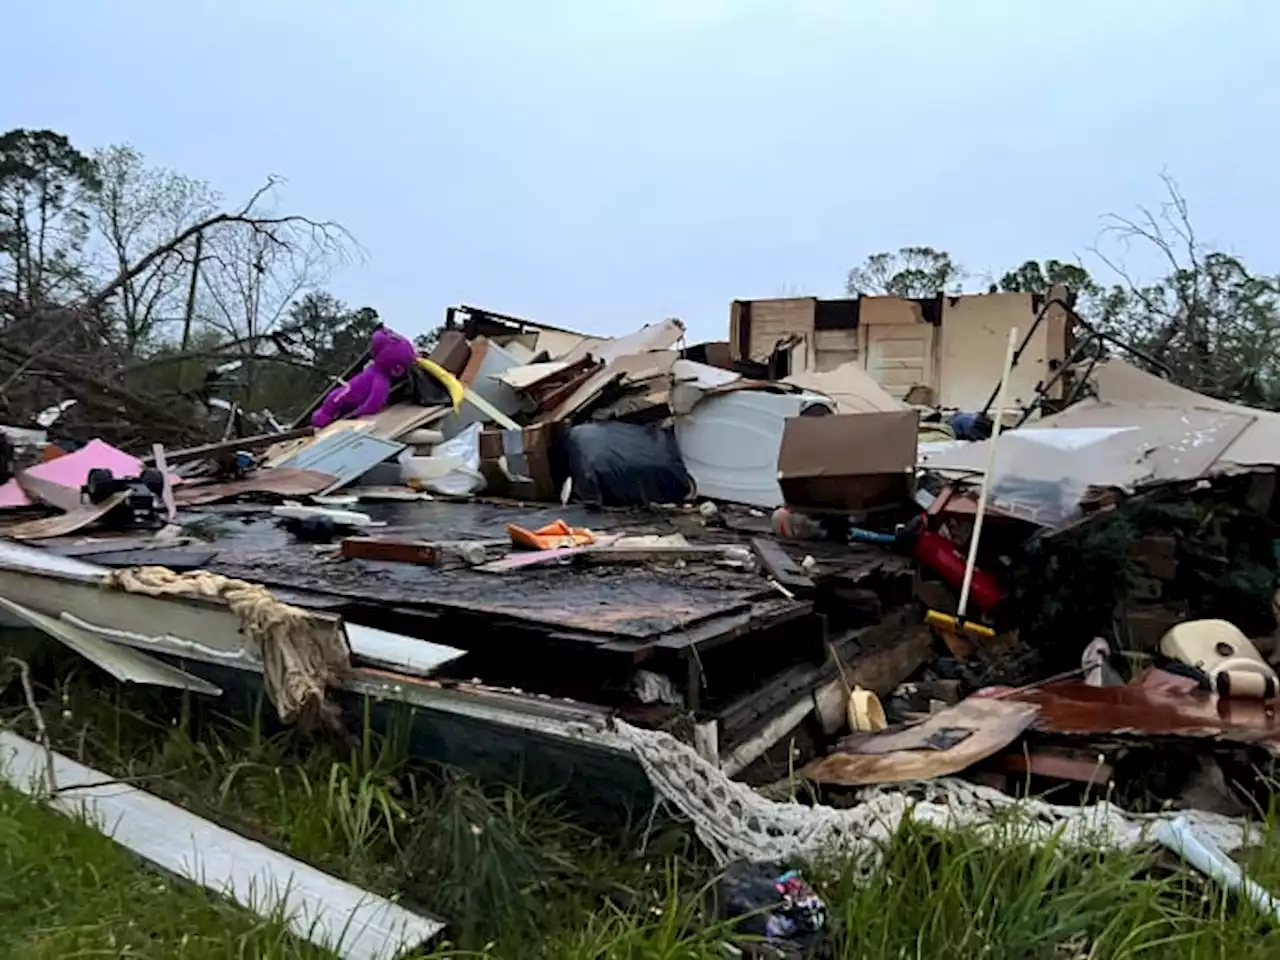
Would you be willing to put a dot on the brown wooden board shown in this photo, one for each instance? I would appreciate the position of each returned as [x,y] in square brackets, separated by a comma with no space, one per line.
[395,551]
[174,457]
[66,523]
[635,605]
[282,481]
[950,741]
[855,461]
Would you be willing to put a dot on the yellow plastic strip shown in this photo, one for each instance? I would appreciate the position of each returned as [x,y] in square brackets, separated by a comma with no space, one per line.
[451,383]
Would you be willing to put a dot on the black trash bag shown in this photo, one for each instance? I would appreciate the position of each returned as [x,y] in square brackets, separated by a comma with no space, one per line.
[774,904]
[317,529]
[615,464]
[418,387]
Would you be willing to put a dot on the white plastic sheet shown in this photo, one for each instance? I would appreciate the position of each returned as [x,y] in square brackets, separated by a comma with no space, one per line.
[465,479]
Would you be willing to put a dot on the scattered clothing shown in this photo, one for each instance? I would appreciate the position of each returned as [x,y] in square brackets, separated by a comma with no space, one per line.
[779,906]
[971,426]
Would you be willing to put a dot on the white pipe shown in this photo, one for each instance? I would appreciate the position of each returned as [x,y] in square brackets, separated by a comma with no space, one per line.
[1203,854]
[993,443]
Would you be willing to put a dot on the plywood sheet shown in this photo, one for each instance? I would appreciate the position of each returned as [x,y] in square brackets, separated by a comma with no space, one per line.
[852,388]
[651,337]
[68,522]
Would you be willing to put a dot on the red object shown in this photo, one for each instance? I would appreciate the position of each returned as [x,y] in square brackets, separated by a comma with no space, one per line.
[939,554]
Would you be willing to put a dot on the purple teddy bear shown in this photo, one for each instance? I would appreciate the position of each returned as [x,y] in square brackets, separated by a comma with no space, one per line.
[366,393]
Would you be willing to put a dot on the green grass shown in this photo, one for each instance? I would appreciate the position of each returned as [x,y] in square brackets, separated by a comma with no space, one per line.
[68,891]
[941,895]
[516,875]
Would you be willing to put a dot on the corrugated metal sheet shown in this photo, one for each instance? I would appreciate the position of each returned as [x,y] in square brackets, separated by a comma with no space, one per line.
[1158,704]
[397,420]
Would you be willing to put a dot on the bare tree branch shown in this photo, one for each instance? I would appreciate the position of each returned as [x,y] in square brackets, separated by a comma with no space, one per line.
[272,230]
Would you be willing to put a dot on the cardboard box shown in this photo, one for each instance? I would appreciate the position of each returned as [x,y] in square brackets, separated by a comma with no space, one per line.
[452,351]
[529,455]
[849,462]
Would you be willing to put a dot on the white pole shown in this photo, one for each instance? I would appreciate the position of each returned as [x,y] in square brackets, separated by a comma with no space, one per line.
[986,479]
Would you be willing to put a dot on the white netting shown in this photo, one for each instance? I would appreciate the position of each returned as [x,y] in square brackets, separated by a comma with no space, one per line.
[736,822]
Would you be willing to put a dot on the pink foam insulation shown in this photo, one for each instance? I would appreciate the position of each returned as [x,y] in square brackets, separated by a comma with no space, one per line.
[12,495]
[72,469]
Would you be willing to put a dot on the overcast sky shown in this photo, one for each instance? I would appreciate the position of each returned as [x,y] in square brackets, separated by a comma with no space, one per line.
[602,164]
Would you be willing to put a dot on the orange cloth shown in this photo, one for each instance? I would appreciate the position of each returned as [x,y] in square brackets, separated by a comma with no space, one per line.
[551,537]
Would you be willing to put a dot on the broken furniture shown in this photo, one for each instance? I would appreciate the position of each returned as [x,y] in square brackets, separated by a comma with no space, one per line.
[136,506]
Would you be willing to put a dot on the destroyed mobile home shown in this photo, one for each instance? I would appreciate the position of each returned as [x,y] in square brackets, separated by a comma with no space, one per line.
[846,543]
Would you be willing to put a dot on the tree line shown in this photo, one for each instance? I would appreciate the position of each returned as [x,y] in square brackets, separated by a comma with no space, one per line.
[124,285]
[1208,321]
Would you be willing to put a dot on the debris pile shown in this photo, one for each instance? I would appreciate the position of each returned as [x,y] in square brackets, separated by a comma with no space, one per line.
[765,547]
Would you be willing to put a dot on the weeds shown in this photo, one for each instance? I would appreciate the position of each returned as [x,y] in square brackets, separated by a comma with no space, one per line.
[515,875]
[359,808]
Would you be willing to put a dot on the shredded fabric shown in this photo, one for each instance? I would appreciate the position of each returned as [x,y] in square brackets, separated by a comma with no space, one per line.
[302,655]
[735,822]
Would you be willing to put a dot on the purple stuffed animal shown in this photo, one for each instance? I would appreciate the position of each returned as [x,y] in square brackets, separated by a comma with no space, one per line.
[367,391]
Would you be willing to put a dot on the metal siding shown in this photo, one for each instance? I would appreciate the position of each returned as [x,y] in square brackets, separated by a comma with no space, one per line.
[344,456]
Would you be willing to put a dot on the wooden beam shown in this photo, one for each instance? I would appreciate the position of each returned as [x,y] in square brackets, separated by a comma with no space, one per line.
[1060,764]
[879,671]
[173,457]
[752,750]
[396,551]
[780,565]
